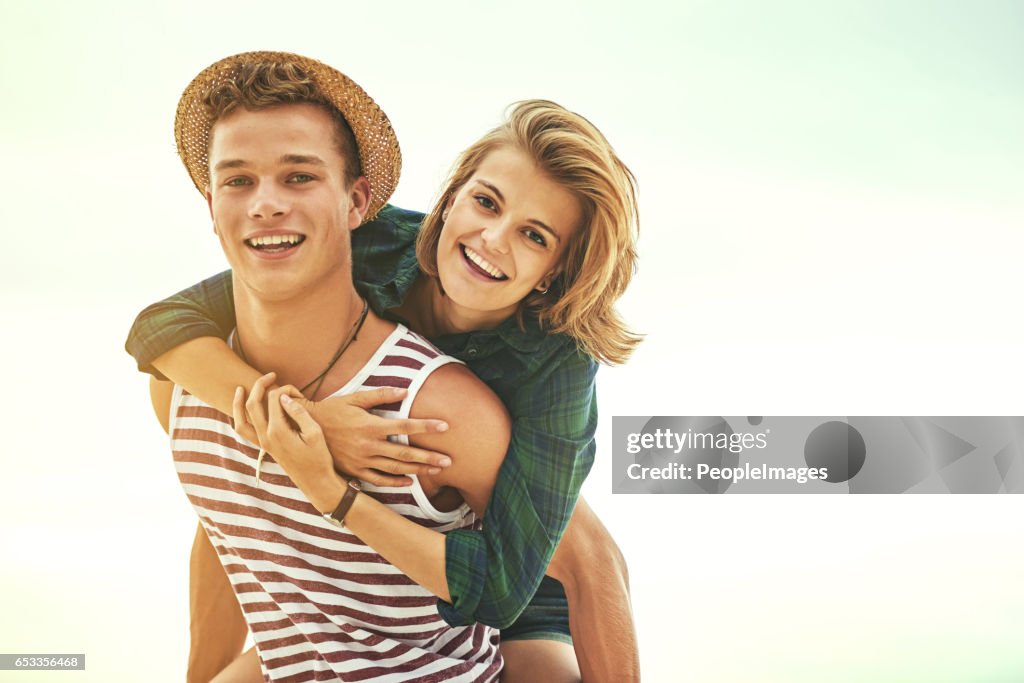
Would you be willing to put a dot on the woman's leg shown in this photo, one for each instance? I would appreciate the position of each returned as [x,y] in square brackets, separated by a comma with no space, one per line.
[538,646]
[593,572]
[528,661]
[245,669]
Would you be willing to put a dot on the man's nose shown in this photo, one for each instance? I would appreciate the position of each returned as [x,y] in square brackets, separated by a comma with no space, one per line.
[268,202]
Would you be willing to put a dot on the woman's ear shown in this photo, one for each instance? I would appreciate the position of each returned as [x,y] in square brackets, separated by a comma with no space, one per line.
[448,206]
[545,284]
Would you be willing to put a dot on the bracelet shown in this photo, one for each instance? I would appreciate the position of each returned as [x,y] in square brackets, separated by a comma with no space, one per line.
[337,518]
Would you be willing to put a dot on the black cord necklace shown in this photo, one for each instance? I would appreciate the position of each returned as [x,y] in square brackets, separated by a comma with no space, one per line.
[352,335]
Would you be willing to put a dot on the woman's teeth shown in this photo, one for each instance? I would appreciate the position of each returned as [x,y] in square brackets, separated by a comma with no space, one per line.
[484,265]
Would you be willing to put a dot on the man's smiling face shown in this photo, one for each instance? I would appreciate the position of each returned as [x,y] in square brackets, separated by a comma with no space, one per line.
[279,201]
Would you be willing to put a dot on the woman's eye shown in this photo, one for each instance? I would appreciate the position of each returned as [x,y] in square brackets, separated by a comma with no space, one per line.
[535,236]
[301,178]
[486,202]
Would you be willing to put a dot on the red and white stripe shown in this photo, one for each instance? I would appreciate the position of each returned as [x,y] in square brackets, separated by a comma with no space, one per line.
[321,604]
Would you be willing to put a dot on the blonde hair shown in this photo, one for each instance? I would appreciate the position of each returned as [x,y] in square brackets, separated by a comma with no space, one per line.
[601,257]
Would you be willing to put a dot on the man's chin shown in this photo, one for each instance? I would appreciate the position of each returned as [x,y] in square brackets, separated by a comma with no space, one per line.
[271,287]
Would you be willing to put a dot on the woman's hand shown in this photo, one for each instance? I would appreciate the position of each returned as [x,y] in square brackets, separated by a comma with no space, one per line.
[285,429]
[358,439]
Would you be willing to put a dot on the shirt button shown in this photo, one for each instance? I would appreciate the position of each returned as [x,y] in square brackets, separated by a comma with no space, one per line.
[471,351]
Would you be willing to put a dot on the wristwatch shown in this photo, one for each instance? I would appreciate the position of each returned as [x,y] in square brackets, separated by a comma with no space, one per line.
[337,518]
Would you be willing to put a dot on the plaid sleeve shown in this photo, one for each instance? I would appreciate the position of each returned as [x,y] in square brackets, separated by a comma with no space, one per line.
[494,573]
[206,309]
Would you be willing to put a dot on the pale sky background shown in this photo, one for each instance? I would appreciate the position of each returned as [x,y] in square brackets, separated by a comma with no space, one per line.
[832,221]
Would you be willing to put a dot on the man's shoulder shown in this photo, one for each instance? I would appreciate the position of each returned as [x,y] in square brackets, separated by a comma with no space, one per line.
[445,384]
[478,433]
[453,390]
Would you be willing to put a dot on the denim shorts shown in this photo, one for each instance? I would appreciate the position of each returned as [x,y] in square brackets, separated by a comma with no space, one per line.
[545,618]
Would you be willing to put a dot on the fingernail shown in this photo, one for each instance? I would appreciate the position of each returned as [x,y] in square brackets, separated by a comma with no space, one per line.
[397,392]
[442,427]
[434,470]
[444,462]
[285,398]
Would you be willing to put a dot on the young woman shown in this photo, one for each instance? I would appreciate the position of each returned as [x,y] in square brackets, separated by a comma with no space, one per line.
[515,271]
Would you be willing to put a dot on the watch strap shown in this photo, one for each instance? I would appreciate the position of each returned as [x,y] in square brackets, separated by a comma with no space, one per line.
[351,491]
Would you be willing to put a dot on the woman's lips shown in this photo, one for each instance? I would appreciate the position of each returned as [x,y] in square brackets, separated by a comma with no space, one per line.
[478,265]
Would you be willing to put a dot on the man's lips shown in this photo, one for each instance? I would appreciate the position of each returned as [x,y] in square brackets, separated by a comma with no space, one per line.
[481,266]
[275,245]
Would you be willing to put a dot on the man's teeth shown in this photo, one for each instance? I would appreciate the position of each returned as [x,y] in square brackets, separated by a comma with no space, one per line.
[273,240]
[484,265]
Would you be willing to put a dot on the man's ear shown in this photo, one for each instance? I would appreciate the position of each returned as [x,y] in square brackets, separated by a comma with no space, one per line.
[209,205]
[359,197]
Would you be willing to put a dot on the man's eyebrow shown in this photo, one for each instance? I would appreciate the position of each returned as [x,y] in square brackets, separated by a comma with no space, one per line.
[541,224]
[229,163]
[310,159]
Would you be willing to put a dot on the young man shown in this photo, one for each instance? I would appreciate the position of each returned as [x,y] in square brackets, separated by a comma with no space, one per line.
[285,274]
[285,188]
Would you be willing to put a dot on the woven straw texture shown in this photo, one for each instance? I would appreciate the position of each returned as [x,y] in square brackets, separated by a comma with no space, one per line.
[378,147]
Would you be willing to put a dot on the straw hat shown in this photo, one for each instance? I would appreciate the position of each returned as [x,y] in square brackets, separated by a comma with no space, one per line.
[379,153]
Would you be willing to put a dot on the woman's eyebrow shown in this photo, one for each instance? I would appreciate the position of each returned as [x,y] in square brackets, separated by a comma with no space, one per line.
[492,187]
[539,223]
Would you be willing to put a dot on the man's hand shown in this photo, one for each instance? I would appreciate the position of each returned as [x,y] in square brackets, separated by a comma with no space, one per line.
[358,439]
[298,445]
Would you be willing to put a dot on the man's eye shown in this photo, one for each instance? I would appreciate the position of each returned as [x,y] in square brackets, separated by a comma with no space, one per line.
[236,182]
[486,202]
[535,236]
[301,178]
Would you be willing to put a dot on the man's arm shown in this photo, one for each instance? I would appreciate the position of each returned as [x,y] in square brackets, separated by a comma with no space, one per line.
[216,624]
[477,445]
[476,441]
[478,434]
[217,628]
[160,397]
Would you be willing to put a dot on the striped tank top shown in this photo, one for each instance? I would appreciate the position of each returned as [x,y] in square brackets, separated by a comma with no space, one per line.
[320,603]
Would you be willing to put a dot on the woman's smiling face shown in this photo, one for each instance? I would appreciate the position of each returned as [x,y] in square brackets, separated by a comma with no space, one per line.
[505,231]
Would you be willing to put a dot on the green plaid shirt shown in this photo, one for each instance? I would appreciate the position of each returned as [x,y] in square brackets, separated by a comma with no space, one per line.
[544,381]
